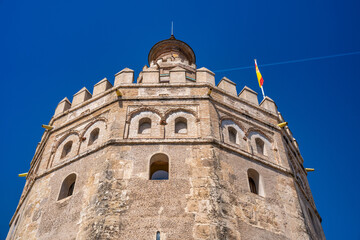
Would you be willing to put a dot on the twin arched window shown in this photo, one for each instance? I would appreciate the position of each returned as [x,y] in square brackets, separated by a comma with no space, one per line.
[67,187]
[145,126]
[94,135]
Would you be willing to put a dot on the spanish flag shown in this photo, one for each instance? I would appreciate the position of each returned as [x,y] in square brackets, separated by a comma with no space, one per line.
[258,74]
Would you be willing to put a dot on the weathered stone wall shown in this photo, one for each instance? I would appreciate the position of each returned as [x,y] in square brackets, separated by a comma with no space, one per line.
[207,195]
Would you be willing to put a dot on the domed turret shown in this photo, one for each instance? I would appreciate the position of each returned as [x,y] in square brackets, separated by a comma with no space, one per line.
[171,49]
[169,57]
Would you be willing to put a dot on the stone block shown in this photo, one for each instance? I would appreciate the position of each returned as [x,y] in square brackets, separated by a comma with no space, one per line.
[269,104]
[177,75]
[202,231]
[227,85]
[204,75]
[150,75]
[249,95]
[63,106]
[101,87]
[81,96]
[125,76]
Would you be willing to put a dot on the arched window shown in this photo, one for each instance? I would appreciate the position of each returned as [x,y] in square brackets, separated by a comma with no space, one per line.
[67,149]
[157,235]
[252,185]
[232,134]
[94,135]
[159,167]
[255,182]
[180,125]
[67,187]
[144,126]
[260,146]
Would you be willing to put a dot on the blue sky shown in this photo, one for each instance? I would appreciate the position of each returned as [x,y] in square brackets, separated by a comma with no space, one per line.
[51,49]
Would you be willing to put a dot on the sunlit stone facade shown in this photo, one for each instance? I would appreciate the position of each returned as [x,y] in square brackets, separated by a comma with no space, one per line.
[169,156]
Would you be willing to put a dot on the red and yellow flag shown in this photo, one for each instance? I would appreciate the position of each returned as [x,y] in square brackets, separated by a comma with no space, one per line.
[258,74]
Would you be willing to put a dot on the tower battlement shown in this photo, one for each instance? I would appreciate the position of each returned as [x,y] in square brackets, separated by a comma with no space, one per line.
[177,78]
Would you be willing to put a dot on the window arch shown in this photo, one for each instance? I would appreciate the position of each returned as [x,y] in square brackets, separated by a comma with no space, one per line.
[66,149]
[159,167]
[255,182]
[180,125]
[260,146]
[144,126]
[67,187]
[94,135]
[232,135]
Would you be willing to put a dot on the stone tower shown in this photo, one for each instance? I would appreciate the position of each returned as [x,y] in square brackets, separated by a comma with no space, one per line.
[170,157]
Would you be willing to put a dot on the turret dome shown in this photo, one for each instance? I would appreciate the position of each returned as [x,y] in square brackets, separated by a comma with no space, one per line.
[171,48]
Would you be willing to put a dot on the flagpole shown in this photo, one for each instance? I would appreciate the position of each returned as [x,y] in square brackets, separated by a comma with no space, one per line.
[262,90]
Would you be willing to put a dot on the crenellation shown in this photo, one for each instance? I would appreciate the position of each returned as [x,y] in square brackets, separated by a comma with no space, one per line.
[288,131]
[204,75]
[281,118]
[81,96]
[62,106]
[125,76]
[268,104]
[228,85]
[101,87]
[249,95]
[295,143]
[150,75]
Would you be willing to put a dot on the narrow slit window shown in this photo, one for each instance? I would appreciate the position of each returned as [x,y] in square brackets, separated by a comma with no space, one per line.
[67,187]
[67,149]
[180,125]
[157,235]
[94,135]
[144,126]
[232,134]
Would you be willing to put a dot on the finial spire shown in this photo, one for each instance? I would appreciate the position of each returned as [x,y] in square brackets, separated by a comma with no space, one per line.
[172,28]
